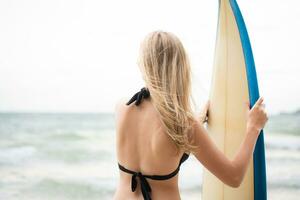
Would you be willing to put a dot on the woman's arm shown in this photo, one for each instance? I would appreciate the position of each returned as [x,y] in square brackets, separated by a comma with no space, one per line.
[231,172]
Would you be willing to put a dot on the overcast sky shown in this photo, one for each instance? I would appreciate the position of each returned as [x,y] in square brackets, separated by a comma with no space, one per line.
[80,56]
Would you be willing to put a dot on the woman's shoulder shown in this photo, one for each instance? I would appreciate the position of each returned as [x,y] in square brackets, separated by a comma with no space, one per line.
[120,107]
[122,111]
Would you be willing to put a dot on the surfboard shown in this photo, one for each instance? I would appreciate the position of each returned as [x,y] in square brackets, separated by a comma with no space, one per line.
[234,82]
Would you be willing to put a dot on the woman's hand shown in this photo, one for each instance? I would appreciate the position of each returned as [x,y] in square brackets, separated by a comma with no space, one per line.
[257,116]
[204,113]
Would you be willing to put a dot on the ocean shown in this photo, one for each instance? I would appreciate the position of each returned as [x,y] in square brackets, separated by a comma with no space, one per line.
[50,156]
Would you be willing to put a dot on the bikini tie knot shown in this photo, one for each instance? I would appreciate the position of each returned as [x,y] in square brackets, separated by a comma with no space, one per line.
[137,97]
[145,187]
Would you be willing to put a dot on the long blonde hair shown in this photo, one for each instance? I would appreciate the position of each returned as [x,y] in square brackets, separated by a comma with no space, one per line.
[166,70]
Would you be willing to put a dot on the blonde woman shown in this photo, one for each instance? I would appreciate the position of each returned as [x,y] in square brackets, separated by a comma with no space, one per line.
[157,130]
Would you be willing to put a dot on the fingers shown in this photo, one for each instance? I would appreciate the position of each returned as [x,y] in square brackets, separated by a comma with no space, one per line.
[259,101]
[261,107]
[207,108]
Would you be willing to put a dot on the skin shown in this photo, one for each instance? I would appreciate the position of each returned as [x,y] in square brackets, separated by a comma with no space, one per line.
[143,146]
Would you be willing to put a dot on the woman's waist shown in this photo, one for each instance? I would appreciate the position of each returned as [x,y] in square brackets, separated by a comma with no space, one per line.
[160,189]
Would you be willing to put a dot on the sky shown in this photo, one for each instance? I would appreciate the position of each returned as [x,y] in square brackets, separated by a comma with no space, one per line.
[81,56]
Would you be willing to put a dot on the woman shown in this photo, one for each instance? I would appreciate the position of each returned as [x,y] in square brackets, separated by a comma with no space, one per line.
[157,129]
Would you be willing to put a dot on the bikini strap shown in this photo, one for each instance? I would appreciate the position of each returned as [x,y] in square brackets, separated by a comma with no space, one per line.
[184,157]
[145,186]
[137,97]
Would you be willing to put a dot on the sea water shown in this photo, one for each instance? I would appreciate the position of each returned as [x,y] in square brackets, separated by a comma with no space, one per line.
[50,156]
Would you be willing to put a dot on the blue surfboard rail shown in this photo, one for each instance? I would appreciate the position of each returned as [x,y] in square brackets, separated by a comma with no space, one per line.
[260,180]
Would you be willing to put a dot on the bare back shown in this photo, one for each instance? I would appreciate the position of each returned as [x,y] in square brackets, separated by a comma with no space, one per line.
[143,146]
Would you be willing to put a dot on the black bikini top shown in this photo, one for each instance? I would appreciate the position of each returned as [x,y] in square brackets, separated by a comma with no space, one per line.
[145,187]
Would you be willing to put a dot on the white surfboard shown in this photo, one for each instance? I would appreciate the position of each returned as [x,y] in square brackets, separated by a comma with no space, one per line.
[234,82]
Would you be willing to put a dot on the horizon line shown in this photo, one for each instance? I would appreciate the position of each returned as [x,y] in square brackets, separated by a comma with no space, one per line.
[106,112]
